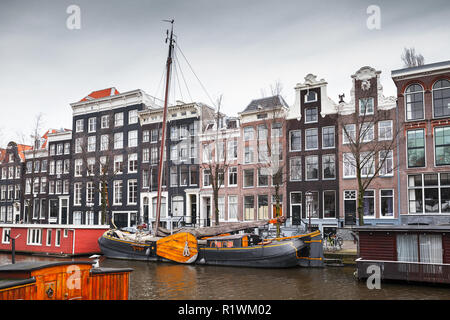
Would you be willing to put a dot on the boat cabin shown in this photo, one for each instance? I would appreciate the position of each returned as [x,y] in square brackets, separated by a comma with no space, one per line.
[64,280]
[405,252]
[234,241]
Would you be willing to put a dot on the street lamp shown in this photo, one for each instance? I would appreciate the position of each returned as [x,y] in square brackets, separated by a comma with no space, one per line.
[309,195]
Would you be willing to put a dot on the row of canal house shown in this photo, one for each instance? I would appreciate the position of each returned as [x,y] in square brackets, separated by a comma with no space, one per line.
[49,193]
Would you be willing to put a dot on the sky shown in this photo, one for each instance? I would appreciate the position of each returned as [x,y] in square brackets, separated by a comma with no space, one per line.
[237,50]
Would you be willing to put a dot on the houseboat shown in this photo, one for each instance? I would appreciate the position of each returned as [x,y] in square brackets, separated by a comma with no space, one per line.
[64,280]
[413,253]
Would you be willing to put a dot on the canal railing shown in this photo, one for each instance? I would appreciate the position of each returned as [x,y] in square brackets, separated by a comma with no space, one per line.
[405,271]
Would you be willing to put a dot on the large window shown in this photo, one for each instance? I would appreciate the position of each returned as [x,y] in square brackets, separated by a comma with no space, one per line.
[311,115]
[249,133]
[248,178]
[414,102]
[328,137]
[426,248]
[385,130]
[249,207]
[132,191]
[349,165]
[295,169]
[117,192]
[386,167]
[441,98]
[312,205]
[416,148]
[442,145]
[263,207]
[295,138]
[328,166]
[429,193]
[311,139]
[232,207]
[369,203]
[349,133]
[329,204]
[312,167]
[386,203]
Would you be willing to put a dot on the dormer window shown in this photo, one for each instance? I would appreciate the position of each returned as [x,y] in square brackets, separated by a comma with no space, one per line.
[311,96]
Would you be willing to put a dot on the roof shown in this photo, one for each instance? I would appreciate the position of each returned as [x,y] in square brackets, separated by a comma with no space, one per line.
[36,265]
[423,68]
[21,148]
[266,103]
[108,92]
[414,227]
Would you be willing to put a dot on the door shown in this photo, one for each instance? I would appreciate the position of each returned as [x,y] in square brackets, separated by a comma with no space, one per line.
[193,209]
[64,211]
[208,211]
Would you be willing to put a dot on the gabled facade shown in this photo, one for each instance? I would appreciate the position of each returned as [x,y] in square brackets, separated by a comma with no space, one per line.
[312,155]
[423,95]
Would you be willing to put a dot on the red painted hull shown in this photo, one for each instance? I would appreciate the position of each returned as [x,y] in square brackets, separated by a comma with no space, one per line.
[73,240]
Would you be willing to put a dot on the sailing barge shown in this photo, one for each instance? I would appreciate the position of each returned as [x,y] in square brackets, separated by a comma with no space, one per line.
[205,246]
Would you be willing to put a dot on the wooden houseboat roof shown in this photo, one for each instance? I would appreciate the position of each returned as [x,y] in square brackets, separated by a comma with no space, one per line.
[37,265]
[404,228]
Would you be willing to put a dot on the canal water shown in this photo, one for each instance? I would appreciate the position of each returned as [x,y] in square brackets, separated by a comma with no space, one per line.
[166,281]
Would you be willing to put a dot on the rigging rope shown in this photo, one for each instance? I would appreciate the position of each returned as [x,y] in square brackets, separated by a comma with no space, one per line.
[182,76]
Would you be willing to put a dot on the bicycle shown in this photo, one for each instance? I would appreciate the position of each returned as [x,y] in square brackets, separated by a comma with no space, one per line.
[333,241]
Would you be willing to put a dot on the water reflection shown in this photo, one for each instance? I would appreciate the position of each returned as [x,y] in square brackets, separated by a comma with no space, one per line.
[185,282]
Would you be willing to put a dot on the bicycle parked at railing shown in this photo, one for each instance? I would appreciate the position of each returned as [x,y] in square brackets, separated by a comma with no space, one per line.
[331,241]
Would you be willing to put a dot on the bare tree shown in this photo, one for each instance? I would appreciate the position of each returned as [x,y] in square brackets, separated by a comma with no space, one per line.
[412,59]
[218,158]
[367,157]
[35,141]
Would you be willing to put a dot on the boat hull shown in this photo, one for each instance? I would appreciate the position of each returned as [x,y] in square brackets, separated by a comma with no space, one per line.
[128,250]
[278,254]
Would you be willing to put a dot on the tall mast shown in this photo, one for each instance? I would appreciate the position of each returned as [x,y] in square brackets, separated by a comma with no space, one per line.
[163,135]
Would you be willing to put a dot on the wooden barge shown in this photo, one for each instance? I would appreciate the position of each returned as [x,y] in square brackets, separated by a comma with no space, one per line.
[414,253]
[66,280]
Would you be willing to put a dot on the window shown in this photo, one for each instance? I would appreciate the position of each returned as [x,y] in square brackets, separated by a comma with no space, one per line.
[206,178]
[52,167]
[78,167]
[77,193]
[429,193]
[277,130]
[295,169]
[248,178]
[249,133]
[132,116]
[105,122]
[369,203]
[118,119]
[232,207]
[328,137]
[193,175]
[59,149]
[312,167]
[311,139]
[442,145]
[132,163]
[349,165]
[441,98]
[385,130]
[52,150]
[77,218]
[132,138]
[366,133]
[263,153]
[104,142]
[58,237]
[89,217]
[118,140]
[349,133]
[386,203]
[118,164]
[155,205]
[90,166]
[386,167]
[132,191]
[232,176]
[154,155]
[263,177]
[232,149]
[184,175]
[92,124]
[67,148]
[329,204]
[366,106]
[91,144]
[310,96]
[328,166]
[262,132]
[173,176]
[263,207]
[154,135]
[207,153]
[145,155]
[89,193]
[248,154]
[79,125]
[414,102]
[312,205]
[221,207]
[34,236]
[311,115]
[295,140]
[184,131]
[43,184]
[78,143]
[66,166]
[145,136]
[368,164]
[425,248]
[249,207]
[416,148]
[117,192]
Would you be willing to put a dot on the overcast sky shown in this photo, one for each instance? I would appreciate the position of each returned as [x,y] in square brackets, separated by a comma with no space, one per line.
[237,48]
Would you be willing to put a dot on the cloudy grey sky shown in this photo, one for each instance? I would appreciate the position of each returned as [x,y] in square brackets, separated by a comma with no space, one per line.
[236,47]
